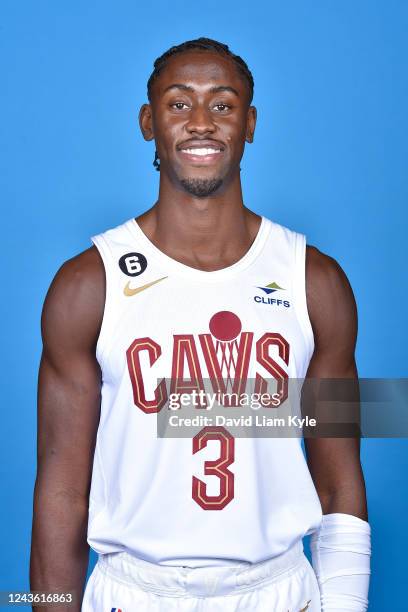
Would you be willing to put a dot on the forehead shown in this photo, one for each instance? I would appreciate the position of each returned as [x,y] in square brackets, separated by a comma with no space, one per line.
[200,69]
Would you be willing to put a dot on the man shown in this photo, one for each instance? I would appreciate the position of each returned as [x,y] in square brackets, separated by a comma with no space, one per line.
[213,523]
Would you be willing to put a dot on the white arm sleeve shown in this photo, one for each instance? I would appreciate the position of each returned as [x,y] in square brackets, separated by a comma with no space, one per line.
[341,553]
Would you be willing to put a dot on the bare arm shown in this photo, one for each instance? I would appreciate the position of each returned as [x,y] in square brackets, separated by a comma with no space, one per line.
[334,463]
[68,416]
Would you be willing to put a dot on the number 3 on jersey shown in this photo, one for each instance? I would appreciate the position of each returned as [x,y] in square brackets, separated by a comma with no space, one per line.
[218,467]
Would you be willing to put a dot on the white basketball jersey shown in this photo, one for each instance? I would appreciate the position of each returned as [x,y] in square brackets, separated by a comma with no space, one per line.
[211,499]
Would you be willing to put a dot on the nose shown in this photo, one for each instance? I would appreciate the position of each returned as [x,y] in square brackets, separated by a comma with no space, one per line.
[200,121]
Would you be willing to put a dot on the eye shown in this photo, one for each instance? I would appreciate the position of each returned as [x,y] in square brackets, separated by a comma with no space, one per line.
[179,105]
[221,107]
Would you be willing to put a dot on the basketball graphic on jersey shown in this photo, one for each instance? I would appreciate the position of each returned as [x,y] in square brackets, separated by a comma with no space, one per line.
[225,325]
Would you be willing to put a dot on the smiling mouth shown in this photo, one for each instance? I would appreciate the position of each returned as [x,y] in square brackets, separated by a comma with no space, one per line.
[201,154]
[202,151]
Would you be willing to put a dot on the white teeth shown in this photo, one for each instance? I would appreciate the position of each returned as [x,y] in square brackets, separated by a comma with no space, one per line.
[202,151]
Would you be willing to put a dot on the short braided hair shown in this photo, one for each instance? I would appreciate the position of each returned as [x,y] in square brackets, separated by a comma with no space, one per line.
[201,44]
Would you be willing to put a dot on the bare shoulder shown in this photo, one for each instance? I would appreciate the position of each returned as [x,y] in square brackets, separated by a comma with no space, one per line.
[330,298]
[326,280]
[73,307]
[80,274]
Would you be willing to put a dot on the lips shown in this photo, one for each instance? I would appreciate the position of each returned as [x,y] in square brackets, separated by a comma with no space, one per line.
[201,150]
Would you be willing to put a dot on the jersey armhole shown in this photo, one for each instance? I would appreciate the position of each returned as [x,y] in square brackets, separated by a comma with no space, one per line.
[299,289]
[107,325]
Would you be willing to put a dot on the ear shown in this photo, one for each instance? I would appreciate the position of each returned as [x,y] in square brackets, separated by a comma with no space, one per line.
[146,121]
[251,123]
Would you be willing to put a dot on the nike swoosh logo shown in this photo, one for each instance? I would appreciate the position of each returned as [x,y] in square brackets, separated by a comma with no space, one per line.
[127,290]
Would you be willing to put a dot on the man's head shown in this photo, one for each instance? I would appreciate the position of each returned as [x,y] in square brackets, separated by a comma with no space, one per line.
[199,114]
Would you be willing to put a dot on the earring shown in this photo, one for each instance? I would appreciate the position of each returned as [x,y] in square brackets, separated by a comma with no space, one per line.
[156,162]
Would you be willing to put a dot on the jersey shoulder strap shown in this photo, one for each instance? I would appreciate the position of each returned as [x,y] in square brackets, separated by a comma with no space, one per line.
[118,250]
[285,254]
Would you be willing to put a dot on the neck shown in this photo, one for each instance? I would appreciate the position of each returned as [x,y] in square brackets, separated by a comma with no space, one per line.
[206,233]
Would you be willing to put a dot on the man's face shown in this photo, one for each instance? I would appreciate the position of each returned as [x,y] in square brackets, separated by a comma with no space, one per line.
[200,119]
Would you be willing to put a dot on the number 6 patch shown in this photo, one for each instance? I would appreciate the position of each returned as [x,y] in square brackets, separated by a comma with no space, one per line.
[133,264]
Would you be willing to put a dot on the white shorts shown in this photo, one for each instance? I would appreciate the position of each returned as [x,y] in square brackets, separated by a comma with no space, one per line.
[122,583]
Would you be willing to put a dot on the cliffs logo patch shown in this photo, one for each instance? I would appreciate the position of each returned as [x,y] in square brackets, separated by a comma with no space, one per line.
[271,301]
[133,264]
[271,288]
[116,610]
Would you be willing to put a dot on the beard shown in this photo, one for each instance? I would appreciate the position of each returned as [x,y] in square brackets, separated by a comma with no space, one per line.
[201,188]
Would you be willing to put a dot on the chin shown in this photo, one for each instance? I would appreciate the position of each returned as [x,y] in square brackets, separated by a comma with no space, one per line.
[201,187]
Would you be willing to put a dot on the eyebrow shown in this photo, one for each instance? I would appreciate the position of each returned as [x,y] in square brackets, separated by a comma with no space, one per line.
[217,89]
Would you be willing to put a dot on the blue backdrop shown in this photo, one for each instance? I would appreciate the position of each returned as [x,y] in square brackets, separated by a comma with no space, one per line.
[329,159]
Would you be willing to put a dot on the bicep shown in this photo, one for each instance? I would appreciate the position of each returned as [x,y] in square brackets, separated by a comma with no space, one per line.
[333,314]
[69,378]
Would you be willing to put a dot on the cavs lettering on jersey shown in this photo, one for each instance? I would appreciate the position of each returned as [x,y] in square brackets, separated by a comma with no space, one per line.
[212,499]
